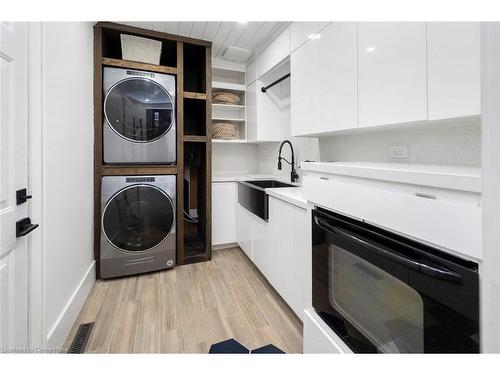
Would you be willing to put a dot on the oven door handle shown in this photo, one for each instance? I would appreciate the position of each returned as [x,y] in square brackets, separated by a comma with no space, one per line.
[423,268]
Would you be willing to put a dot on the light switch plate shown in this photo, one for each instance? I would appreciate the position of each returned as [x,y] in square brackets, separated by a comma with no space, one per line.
[399,151]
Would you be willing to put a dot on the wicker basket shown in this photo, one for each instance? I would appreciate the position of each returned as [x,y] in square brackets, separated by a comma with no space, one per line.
[224,97]
[136,48]
[224,130]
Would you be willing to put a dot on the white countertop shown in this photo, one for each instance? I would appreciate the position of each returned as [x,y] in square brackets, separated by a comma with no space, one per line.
[244,176]
[293,195]
[440,176]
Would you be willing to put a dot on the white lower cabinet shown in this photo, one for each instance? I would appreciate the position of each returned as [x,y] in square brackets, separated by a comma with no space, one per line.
[287,248]
[244,230]
[279,248]
[224,200]
[259,244]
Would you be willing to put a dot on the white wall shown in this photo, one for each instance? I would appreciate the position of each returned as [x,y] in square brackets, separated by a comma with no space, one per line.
[444,144]
[67,170]
[234,159]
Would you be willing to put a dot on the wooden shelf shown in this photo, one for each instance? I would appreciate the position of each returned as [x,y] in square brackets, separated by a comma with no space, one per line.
[134,169]
[228,119]
[195,138]
[138,65]
[195,95]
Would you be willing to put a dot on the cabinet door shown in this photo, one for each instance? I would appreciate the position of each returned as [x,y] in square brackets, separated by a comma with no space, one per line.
[224,200]
[304,89]
[391,72]
[454,63]
[277,51]
[324,82]
[259,244]
[280,245]
[301,230]
[337,78]
[300,32]
[244,230]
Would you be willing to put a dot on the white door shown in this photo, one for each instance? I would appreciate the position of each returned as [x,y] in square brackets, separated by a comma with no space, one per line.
[13,176]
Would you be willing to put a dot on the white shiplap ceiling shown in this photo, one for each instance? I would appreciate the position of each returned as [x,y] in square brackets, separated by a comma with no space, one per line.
[254,36]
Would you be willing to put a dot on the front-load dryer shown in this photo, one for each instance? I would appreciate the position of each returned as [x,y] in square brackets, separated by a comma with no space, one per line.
[139,117]
[137,224]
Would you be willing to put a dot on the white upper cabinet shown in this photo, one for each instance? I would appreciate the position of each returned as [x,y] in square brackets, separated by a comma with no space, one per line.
[276,52]
[304,89]
[336,74]
[323,93]
[300,32]
[391,72]
[453,63]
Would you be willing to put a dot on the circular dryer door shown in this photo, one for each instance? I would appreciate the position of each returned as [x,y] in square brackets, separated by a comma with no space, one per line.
[139,109]
[138,218]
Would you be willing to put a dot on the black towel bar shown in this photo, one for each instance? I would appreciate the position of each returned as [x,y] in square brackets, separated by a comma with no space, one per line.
[264,89]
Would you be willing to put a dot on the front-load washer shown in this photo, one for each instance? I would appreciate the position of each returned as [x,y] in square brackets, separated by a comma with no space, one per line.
[139,117]
[137,224]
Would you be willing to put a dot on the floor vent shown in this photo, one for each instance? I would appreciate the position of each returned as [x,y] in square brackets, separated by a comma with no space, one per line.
[81,338]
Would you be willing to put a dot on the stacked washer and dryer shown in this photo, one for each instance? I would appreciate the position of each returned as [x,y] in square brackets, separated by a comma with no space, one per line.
[138,217]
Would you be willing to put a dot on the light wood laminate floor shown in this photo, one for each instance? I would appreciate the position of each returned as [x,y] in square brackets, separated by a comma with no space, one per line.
[188,308]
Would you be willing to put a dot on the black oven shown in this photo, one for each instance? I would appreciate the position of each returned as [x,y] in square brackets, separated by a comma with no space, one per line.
[384,293]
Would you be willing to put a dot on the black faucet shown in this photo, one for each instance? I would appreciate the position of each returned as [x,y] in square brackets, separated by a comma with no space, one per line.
[293,174]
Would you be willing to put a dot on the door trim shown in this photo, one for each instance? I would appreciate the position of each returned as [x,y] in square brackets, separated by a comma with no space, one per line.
[36,309]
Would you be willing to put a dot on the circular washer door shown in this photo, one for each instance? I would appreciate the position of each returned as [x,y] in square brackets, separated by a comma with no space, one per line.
[139,109]
[138,218]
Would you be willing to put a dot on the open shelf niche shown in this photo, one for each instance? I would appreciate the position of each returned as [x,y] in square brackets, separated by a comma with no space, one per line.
[195,207]
[228,76]
[195,177]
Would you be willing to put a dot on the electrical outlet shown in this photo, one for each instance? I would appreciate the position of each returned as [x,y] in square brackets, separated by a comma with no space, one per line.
[399,152]
[265,151]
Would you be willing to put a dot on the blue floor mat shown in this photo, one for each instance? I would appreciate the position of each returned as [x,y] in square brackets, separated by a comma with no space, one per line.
[232,346]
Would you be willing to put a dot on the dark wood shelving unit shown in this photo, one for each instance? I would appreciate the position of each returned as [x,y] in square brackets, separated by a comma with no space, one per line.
[190,60]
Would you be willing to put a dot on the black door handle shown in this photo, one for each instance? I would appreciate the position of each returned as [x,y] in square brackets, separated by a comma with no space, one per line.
[22,196]
[24,226]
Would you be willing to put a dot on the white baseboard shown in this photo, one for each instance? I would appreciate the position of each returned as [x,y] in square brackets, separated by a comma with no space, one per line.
[60,330]
[224,246]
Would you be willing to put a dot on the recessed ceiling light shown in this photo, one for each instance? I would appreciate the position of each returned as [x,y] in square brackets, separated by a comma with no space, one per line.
[370,49]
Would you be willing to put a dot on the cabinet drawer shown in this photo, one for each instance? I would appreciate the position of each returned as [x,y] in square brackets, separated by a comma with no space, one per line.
[455,226]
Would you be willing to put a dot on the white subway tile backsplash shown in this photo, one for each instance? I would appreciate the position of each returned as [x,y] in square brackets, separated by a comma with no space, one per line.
[442,144]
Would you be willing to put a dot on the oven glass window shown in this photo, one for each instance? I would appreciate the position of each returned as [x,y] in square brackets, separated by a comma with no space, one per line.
[139,109]
[138,218]
[386,311]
